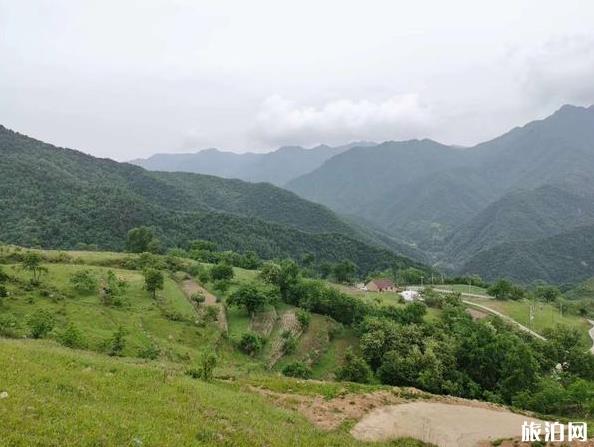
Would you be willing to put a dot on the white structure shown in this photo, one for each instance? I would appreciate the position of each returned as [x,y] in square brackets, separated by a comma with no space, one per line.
[410,295]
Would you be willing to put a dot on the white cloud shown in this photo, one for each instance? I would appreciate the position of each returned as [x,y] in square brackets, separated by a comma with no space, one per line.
[399,117]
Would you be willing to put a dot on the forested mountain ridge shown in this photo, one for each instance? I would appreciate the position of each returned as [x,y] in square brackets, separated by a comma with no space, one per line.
[277,167]
[533,182]
[56,198]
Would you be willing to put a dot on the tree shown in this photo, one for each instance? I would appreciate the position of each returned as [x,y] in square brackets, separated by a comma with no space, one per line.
[3,291]
[250,296]
[270,273]
[139,239]
[325,269]
[83,281]
[547,293]
[32,262]
[344,271]
[501,290]
[355,369]
[41,322]
[153,281]
[222,271]
[250,343]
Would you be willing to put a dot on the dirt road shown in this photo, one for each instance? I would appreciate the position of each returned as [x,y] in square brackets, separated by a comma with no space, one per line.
[191,287]
[444,425]
[592,335]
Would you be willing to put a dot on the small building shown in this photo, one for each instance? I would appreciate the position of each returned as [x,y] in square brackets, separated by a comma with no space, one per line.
[380,285]
[410,295]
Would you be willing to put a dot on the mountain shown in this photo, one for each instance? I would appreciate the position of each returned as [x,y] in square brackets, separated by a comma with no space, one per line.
[277,167]
[453,203]
[55,198]
[564,258]
[522,215]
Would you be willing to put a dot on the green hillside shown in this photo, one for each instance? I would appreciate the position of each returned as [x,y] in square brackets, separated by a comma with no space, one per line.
[57,198]
[533,182]
[559,259]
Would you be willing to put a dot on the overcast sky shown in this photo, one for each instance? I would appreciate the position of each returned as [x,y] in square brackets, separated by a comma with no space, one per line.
[125,79]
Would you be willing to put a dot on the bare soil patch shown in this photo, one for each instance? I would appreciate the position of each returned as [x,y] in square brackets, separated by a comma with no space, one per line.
[191,287]
[442,424]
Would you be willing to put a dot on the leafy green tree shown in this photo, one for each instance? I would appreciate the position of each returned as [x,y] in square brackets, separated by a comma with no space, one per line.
[501,290]
[200,244]
[139,239]
[153,281]
[84,281]
[344,271]
[354,369]
[251,343]
[547,293]
[251,296]
[41,322]
[222,271]
[270,273]
[33,262]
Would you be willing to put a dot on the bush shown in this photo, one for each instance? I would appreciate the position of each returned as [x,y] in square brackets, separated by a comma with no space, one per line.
[198,297]
[251,343]
[208,363]
[221,271]
[304,318]
[150,352]
[9,326]
[355,369]
[117,342]
[297,369]
[3,291]
[83,281]
[211,313]
[290,344]
[72,337]
[41,322]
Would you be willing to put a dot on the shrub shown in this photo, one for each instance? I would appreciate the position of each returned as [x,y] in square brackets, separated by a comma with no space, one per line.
[83,281]
[221,271]
[290,344]
[297,369]
[355,369]
[9,326]
[304,318]
[198,297]
[211,313]
[41,322]
[150,352]
[3,291]
[117,342]
[208,363]
[72,337]
[251,343]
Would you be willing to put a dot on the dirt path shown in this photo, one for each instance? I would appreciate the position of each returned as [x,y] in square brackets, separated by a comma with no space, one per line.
[444,425]
[191,287]
[288,322]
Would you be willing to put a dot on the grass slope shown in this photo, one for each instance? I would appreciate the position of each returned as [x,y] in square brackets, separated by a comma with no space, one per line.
[61,397]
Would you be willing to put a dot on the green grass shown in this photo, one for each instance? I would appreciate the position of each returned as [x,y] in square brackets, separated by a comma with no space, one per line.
[546,316]
[61,397]
[168,323]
